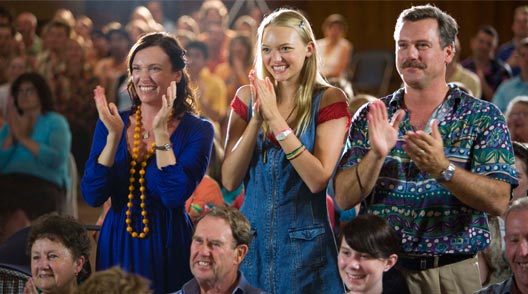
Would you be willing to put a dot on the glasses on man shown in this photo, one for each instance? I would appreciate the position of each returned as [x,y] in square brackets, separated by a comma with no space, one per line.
[518,115]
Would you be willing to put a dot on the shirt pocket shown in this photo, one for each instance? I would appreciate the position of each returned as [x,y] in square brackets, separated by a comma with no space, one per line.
[308,245]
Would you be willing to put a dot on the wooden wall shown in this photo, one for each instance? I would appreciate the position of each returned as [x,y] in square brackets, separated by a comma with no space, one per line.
[371,23]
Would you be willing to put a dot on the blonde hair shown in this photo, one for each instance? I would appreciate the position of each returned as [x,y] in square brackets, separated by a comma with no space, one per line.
[311,79]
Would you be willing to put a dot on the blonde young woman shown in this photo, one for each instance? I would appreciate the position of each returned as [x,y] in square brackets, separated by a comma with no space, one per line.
[285,135]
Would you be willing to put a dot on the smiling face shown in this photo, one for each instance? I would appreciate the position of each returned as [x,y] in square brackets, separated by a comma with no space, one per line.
[152,74]
[214,256]
[53,267]
[284,52]
[361,272]
[420,58]
[518,121]
[516,240]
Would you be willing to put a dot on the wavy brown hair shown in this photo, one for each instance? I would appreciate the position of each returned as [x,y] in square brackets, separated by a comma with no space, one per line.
[66,230]
[185,97]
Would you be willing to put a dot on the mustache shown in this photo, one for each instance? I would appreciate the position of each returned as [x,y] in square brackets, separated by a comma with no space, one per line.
[414,63]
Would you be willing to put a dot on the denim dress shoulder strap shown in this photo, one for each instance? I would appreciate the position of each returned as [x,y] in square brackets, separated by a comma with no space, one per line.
[294,250]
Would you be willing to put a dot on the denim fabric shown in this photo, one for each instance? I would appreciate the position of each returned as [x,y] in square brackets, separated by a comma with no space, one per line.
[294,250]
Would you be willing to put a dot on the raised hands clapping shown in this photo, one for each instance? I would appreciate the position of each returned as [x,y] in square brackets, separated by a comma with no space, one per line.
[383,133]
[108,113]
[159,124]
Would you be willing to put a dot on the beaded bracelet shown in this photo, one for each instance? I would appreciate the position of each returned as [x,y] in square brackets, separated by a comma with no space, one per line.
[295,153]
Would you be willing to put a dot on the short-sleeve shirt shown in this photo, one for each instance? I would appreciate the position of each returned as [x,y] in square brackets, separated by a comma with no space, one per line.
[429,219]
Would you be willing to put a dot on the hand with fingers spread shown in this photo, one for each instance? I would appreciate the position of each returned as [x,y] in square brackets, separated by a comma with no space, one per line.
[427,151]
[108,113]
[159,124]
[383,133]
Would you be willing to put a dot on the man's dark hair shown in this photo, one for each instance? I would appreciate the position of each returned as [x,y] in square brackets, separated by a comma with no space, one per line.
[447,25]
[489,30]
[200,46]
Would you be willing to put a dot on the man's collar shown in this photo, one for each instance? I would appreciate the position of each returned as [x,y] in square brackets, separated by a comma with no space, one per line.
[454,95]
[242,285]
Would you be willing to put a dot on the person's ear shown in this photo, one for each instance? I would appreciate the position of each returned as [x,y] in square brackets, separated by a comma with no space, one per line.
[449,53]
[390,262]
[310,48]
[78,264]
[240,253]
[177,76]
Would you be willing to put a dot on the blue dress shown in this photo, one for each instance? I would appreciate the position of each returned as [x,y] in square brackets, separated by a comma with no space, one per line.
[163,256]
[293,250]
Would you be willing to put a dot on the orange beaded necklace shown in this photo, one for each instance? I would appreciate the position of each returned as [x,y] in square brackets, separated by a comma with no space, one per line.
[140,181]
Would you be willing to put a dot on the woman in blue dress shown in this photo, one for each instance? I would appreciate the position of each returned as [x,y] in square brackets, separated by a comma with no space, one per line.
[148,161]
[285,135]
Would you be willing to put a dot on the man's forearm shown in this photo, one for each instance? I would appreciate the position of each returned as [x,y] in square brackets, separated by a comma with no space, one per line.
[479,192]
[354,184]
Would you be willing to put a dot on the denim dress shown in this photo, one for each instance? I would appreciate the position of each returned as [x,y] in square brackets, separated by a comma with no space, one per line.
[293,250]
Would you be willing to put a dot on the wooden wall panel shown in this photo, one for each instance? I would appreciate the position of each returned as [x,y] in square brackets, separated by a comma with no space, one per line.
[371,22]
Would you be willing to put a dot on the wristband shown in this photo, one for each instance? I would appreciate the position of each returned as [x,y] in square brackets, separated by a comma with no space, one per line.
[295,153]
[165,147]
[283,134]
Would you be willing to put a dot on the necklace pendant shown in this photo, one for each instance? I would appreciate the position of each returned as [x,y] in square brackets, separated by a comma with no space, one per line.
[146,135]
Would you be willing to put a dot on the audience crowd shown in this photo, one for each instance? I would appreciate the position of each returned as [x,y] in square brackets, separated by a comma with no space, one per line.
[430,192]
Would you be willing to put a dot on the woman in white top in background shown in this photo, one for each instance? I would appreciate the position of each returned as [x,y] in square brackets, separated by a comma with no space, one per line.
[334,49]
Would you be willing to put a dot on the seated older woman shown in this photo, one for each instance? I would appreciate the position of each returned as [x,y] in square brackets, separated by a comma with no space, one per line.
[368,248]
[517,118]
[59,248]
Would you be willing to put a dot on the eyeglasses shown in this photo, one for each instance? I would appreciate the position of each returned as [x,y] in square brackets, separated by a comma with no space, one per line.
[518,115]
[26,91]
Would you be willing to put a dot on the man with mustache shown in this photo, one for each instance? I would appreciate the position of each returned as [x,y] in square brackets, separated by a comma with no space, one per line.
[516,242]
[431,160]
